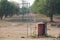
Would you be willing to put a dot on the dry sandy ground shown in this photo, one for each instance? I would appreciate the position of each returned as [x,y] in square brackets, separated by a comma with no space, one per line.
[14,31]
[29,39]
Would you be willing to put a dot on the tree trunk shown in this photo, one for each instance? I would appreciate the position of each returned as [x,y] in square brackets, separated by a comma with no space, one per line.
[1,18]
[51,18]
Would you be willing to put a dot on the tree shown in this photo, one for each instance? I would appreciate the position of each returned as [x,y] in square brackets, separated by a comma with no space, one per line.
[47,7]
[8,8]
[24,10]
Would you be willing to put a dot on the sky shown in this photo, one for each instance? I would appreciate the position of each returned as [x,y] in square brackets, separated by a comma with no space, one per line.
[19,1]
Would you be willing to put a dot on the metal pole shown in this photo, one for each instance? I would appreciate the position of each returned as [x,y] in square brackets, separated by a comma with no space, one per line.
[24,5]
[27,21]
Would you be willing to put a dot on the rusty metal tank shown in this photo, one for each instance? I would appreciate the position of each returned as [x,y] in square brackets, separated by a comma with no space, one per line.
[41,28]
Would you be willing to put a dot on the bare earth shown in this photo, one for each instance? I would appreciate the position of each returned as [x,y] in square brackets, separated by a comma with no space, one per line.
[16,30]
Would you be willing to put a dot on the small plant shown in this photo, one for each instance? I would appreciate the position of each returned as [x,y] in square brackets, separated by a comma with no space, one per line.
[33,35]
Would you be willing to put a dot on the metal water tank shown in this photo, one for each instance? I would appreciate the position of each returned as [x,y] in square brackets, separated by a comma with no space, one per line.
[41,28]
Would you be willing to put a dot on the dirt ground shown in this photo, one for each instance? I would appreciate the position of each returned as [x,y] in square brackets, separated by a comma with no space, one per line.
[16,30]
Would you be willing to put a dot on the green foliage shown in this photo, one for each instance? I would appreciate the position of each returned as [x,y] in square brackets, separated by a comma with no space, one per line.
[8,8]
[47,7]
[23,11]
[38,6]
[33,35]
